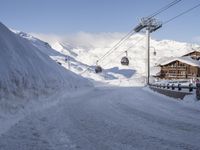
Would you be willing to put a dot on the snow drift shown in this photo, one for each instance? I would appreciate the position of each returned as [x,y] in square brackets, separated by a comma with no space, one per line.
[27,70]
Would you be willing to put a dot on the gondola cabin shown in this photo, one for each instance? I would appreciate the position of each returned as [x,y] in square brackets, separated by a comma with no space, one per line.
[125,61]
[98,69]
[154,53]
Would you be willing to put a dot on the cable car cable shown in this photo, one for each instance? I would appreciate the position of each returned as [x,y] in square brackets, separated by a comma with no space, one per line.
[183,13]
[164,8]
[138,41]
[127,36]
[118,44]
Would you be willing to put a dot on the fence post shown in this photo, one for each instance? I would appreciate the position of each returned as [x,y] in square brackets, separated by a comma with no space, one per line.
[173,87]
[198,90]
[167,86]
[164,86]
[190,87]
[179,87]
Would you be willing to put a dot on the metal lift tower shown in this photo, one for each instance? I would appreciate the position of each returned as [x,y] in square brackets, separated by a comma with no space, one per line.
[150,24]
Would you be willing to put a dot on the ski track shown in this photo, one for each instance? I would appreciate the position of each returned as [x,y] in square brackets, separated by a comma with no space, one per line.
[108,119]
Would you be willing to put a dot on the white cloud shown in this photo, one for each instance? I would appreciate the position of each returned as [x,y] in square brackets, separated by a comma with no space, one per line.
[82,39]
[50,38]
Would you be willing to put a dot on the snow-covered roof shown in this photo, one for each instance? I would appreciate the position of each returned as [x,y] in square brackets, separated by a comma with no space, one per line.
[187,60]
[191,52]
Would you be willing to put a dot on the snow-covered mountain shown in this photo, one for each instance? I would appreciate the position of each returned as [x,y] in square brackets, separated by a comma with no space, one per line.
[27,69]
[136,47]
[82,56]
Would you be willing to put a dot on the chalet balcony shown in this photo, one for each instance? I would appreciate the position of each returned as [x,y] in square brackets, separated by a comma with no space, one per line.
[174,68]
[171,74]
[177,76]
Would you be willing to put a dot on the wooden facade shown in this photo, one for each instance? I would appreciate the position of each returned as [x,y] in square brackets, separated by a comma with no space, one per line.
[179,70]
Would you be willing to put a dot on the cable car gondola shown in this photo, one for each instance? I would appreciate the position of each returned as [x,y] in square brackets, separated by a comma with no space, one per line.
[125,60]
[98,69]
[154,53]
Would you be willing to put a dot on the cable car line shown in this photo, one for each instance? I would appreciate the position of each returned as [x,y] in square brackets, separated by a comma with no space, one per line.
[173,18]
[118,44]
[164,8]
[127,36]
[138,41]
[181,14]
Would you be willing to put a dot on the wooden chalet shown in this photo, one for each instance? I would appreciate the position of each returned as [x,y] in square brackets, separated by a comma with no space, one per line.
[194,55]
[180,68]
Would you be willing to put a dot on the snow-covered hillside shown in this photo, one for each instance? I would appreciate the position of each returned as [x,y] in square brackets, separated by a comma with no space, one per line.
[26,70]
[90,53]
[136,47]
[83,54]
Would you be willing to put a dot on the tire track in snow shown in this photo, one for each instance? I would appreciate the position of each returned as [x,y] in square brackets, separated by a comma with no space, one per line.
[104,119]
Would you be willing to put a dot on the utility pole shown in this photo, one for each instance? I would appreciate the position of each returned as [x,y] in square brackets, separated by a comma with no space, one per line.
[148,54]
[151,25]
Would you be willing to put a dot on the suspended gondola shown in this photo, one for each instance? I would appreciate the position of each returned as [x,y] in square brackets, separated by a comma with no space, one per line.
[125,60]
[98,69]
[154,53]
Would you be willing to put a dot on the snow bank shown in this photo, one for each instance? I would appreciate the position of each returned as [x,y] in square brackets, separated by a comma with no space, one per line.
[26,71]
[191,100]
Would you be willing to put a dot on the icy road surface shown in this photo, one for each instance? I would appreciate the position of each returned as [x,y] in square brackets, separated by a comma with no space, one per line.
[108,119]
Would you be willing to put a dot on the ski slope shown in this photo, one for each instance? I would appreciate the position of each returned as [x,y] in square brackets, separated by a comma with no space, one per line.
[108,118]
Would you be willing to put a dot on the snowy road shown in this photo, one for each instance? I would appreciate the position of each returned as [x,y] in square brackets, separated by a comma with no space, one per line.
[108,119]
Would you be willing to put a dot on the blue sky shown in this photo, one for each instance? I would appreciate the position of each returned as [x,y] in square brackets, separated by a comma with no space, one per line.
[63,17]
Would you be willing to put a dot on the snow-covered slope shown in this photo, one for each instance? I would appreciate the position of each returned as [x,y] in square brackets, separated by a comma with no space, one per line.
[136,47]
[26,70]
[83,56]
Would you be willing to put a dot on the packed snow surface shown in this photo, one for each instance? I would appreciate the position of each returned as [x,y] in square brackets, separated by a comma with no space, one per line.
[108,118]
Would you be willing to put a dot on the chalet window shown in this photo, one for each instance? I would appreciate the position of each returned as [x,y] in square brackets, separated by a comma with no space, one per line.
[182,65]
[173,65]
[172,71]
[182,72]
